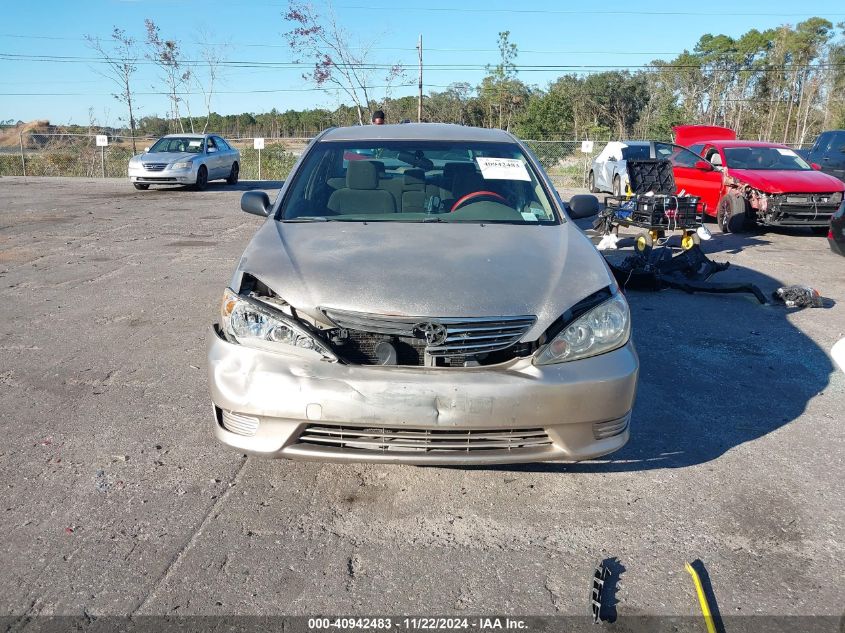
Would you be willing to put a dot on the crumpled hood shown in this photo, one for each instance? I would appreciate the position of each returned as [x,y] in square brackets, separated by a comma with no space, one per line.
[788,181]
[427,270]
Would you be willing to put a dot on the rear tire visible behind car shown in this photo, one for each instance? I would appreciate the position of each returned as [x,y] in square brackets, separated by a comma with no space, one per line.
[617,186]
[591,182]
[733,214]
[232,179]
[141,186]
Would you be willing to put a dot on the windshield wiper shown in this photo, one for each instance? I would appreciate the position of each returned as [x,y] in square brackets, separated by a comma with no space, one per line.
[308,218]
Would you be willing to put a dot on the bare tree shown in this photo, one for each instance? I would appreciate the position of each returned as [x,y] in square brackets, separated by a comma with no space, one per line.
[167,55]
[211,55]
[120,57]
[337,63]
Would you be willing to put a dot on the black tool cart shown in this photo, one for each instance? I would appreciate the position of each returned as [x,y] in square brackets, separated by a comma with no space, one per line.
[653,205]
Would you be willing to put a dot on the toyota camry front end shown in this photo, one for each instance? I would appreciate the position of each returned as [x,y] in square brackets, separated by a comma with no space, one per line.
[418,295]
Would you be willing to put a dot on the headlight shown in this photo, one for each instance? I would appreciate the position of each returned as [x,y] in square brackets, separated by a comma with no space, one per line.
[603,329]
[182,165]
[255,324]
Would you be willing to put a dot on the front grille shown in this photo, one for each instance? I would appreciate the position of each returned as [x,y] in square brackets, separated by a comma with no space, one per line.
[813,198]
[409,440]
[464,336]
[239,423]
[155,166]
[611,428]
[360,348]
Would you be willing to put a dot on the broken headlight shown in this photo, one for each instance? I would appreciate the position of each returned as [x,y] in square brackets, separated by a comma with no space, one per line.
[253,323]
[603,329]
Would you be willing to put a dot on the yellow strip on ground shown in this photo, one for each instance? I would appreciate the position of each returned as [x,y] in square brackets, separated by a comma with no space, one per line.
[702,599]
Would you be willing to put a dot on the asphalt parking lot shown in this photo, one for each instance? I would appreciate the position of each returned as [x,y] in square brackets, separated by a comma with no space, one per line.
[116,499]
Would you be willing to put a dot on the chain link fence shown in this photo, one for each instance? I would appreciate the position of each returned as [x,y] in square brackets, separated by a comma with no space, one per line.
[564,161]
[54,154]
[77,155]
[51,154]
[274,162]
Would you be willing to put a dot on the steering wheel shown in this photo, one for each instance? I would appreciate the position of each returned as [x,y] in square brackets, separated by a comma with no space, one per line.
[477,194]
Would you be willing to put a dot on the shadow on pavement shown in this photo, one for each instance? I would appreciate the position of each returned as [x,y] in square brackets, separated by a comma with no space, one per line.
[246,185]
[222,187]
[716,371]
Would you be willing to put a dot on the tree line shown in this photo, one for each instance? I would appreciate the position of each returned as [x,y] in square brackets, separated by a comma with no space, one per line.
[784,84]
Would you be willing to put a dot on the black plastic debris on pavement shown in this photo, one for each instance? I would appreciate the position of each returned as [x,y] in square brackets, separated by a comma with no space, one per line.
[799,297]
[689,270]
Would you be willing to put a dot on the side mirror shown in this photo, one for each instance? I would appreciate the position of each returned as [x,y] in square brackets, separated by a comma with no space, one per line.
[211,150]
[816,166]
[256,203]
[583,206]
[703,165]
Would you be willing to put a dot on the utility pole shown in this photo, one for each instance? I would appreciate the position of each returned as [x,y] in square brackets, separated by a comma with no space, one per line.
[23,158]
[419,101]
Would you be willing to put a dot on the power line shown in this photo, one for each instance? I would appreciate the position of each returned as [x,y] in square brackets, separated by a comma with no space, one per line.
[590,12]
[442,67]
[218,92]
[373,48]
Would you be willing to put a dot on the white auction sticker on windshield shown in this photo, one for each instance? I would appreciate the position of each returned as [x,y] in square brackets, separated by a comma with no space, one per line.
[785,152]
[194,143]
[502,169]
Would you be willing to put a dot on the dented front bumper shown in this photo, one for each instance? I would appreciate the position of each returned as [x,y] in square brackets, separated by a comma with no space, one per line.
[576,410]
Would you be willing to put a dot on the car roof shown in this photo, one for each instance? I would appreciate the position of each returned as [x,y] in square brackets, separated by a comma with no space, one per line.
[740,143]
[417,132]
[187,135]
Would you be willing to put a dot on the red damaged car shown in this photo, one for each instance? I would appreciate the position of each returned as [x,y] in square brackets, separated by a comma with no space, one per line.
[763,183]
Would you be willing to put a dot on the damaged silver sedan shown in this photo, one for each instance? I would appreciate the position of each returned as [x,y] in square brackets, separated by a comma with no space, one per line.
[418,294]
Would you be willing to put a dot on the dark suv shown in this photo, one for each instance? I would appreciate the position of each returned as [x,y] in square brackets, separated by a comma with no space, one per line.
[828,152]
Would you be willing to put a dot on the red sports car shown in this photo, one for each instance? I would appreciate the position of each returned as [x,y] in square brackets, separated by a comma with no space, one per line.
[762,183]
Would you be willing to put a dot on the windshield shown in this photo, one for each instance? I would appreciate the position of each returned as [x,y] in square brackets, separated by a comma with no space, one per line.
[417,181]
[766,158]
[634,152]
[177,145]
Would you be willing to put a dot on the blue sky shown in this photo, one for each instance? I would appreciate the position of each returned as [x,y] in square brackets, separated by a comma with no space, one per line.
[612,33]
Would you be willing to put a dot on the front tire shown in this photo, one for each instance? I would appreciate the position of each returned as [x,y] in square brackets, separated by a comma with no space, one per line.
[202,178]
[141,186]
[732,214]
[233,174]
[591,182]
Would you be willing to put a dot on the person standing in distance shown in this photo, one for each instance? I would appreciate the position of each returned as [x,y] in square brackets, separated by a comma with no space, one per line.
[378,117]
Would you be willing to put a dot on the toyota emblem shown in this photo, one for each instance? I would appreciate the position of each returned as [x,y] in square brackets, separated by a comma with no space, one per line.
[433,332]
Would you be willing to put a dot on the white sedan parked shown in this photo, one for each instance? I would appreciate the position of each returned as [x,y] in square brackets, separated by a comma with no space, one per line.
[609,171]
[185,159]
